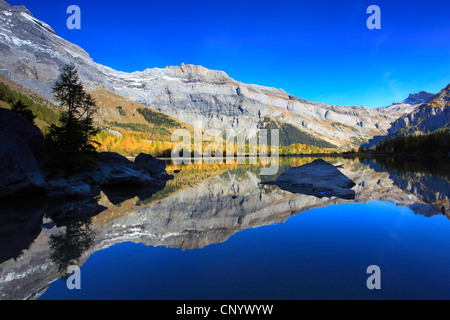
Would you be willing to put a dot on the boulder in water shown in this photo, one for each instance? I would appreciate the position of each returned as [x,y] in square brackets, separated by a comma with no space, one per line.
[319,178]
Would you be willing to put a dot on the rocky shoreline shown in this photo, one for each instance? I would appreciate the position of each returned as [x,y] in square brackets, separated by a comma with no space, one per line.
[21,175]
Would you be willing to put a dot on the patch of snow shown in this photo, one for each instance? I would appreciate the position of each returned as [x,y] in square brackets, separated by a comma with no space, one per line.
[36,21]
[14,276]
[28,17]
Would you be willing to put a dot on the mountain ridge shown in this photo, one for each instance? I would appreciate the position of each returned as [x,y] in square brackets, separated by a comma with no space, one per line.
[33,56]
[422,119]
[429,116]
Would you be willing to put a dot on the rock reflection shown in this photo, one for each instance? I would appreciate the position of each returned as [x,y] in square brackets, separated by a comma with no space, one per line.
[20,224]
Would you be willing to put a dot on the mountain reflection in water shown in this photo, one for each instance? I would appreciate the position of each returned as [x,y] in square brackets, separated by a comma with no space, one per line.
[204,205]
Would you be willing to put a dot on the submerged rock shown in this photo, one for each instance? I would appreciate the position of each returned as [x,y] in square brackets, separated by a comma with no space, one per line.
[20,225]
[319,179]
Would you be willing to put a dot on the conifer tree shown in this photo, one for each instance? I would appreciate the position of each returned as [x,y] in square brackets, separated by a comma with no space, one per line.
[70,144]
[22,109]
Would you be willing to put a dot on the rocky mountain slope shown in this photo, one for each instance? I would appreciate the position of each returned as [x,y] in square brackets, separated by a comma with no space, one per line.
[114,110]
[408,105]
[33,56]
[423,118]
[428,117]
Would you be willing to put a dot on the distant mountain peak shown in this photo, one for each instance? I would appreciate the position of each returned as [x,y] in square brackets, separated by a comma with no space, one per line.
[419,98]
[409,104]
[33,56]
[10,11]
[4,5]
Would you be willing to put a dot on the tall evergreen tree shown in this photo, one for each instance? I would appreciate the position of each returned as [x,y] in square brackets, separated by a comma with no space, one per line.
[89,108]
[22,109]
[71,142]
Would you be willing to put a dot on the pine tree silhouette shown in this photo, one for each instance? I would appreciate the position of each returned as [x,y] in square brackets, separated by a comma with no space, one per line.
[71,143]
[22,109]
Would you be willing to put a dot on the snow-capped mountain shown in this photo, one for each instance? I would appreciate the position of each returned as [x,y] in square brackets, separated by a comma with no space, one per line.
[419,98]
[33,55]
[408,105]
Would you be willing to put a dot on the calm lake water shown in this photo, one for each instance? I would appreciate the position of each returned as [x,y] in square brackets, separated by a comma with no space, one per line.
[216,232]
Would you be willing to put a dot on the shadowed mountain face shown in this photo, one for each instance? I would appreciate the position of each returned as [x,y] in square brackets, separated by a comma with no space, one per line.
[192,217]
[432,113]
[428,117]
[33,56]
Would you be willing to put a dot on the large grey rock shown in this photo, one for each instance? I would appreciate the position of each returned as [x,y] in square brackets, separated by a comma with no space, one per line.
[123,177]
[19,171]
[112,158]
[20,225]
[57,184]
[31,134]
[115,170]
[149,164]
[79,189]
[319,179]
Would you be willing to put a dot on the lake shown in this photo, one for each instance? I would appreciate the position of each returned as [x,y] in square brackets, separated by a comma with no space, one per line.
[215,232]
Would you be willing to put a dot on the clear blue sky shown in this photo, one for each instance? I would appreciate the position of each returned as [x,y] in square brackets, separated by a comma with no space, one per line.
[317,50]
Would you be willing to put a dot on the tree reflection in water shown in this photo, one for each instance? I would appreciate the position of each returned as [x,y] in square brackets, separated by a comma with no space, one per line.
[68,247]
